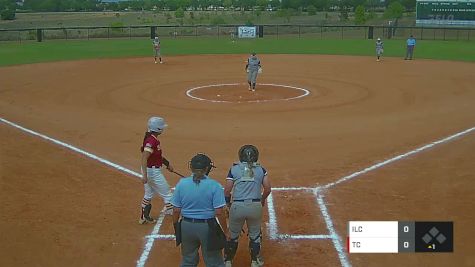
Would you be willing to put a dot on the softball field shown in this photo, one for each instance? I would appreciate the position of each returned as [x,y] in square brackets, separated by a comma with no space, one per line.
[343,138]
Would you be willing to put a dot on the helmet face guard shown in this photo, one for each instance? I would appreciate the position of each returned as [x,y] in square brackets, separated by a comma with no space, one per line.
[201,163]
[248,153]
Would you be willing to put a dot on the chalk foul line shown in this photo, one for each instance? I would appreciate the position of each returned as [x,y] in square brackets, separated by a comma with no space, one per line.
[272,225]
[337,243]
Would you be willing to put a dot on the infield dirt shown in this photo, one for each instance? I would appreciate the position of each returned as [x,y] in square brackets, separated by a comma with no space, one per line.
[60,208]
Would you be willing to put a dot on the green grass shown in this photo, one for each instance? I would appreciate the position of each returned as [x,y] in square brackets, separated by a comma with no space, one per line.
[13,53]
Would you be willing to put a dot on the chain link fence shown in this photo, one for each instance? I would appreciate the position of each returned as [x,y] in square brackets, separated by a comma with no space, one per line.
[226,31]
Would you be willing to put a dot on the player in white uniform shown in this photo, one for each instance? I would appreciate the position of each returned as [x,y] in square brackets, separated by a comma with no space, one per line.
[379,49]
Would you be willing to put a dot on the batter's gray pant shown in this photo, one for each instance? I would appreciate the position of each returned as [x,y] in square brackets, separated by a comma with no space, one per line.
[249,212]
[252,76]
[195,235]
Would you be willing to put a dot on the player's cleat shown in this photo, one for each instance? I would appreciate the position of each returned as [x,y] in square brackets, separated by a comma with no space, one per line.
[228,264]
[161,62]
[145,217]
[377,59]
[257,263]
[155,62]
[147,220]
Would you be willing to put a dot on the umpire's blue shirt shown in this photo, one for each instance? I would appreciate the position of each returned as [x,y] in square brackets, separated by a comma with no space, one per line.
[198,200]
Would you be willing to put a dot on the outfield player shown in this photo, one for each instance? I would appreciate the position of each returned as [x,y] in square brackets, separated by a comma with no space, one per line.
[156,48]
[252,67]
[232,34]
[152,176]
[379,49]
[248,182]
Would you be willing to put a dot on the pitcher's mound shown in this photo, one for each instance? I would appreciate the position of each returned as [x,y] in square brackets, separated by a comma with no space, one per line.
[239,93]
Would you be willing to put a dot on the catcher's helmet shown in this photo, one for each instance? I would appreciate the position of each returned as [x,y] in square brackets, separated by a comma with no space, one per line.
[156,124]
[201,162]
[248,153]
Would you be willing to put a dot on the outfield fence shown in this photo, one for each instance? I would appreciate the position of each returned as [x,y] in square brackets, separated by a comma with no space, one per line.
[226,31]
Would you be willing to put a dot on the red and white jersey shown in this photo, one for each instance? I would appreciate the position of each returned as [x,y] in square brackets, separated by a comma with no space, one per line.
[152,145]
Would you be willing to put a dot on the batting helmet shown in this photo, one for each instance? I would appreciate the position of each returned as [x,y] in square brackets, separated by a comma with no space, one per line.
[156,124]
[248,153]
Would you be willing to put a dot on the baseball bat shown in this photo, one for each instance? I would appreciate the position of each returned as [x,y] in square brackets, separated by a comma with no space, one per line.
[181,175]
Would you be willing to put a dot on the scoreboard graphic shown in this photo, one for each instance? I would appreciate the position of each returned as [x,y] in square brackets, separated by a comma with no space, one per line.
[445,12]
[399,236]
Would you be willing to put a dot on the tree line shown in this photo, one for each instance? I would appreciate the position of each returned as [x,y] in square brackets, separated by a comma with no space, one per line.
[312,6]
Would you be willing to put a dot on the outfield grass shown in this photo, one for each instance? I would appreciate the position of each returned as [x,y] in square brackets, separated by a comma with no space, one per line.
[33,52]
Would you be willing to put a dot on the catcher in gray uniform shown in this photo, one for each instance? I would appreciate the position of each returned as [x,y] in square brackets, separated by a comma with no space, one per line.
[250,187]
[253,67]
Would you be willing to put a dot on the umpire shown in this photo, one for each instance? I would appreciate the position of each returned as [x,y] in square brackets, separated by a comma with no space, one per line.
[198,199]
[250,187]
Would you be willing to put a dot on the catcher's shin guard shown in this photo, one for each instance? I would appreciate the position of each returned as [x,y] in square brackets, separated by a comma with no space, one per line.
[230,249]
[255,248]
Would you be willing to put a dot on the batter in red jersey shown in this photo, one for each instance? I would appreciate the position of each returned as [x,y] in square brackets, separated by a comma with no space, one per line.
[152,177]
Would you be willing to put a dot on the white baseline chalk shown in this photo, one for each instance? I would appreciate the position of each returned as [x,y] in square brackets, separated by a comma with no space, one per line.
[150,240]
[329,222]
[398,157]
[272,218]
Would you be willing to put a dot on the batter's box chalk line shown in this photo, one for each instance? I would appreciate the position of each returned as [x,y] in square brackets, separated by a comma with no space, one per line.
[272,223]
[273,230]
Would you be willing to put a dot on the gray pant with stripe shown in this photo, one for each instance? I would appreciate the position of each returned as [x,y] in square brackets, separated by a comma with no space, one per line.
[249,212]
[252,76]
[195,235]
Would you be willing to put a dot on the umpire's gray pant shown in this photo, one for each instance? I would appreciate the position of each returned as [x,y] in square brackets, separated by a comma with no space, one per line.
[249,212]
[195,235]
[409,51]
